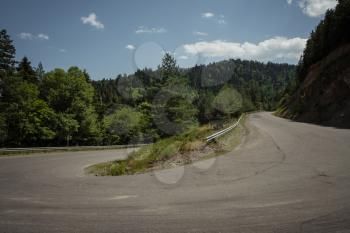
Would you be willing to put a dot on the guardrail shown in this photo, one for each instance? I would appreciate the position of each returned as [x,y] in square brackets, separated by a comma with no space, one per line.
[67,148]
[224,131]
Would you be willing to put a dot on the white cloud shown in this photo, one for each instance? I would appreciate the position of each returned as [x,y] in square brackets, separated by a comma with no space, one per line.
[130,47]
[43,36]
[144,29]
[208,15]
[315,8]
[30,36]
[197,33]
[274,49]
[220,19]
[26,36]
[183,57]
[62,50]
[289,2]
[92,20]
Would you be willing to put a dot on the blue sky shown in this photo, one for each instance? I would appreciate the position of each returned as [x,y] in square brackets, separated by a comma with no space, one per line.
[111,37]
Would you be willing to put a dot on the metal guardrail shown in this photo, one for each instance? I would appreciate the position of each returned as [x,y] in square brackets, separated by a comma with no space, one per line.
[67,148]
[33,149]
[224,131]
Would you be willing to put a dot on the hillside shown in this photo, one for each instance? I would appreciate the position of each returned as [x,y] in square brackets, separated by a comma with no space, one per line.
[261,85]
[322,94]
[65,107]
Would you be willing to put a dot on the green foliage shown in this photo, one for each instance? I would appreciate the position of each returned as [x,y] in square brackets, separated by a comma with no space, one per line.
[148,156]
[57,110]
[7,53]
[177,99]
[68,108]
[40,119]
[71,97]
[121,168]
[173,107]
[260,85]
[125,123]
[66,127]
[330,33]
[3,128]
[67,91]
[27,116]
[169,66]
[228,102]
[26,72]
[90,130]
[169,150]
[150,133]
[40,72]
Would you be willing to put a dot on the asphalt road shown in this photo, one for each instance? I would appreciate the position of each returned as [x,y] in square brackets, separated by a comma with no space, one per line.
[284,177]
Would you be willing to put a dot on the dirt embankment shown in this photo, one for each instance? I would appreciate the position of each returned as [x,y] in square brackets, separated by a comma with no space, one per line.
[324,96]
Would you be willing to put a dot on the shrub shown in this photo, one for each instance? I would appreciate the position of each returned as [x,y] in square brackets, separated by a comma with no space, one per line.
[169,150]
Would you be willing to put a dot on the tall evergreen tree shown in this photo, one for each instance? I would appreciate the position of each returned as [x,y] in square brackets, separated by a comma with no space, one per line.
[87,76]
[331,33]
[7,53]
[169,66]
[40,72]
[7,58]
[26,71]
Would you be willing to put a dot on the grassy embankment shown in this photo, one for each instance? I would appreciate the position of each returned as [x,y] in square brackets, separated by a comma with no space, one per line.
[177,150]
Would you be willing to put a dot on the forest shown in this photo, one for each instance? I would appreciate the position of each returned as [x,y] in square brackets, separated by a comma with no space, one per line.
[331,33]
[321,94]
[67,107]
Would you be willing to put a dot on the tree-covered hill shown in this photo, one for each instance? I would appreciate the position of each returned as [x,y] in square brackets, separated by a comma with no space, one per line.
[59,107]
[331,33]
[322,93]
[260,85]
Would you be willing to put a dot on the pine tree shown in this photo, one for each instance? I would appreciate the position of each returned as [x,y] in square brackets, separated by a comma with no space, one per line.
[87,76]
[40,72]
[331,33]
[7,53]
[169,66]
[26,71]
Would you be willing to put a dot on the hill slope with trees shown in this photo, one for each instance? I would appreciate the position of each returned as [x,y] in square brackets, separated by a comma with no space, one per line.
[260,86]
[322,94]
[59,107]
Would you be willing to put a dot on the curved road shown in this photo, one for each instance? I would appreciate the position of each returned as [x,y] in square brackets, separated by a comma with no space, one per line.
[284,177]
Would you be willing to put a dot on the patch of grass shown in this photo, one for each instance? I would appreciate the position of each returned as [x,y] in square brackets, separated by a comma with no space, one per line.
[279,111]
[184,145]
[193,146]
[285,112]
[149,155]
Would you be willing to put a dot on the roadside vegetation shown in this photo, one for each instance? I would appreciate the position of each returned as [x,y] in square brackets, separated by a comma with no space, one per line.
[321,92]
[329,35]
[178,150]
[41,108]
[171,107]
